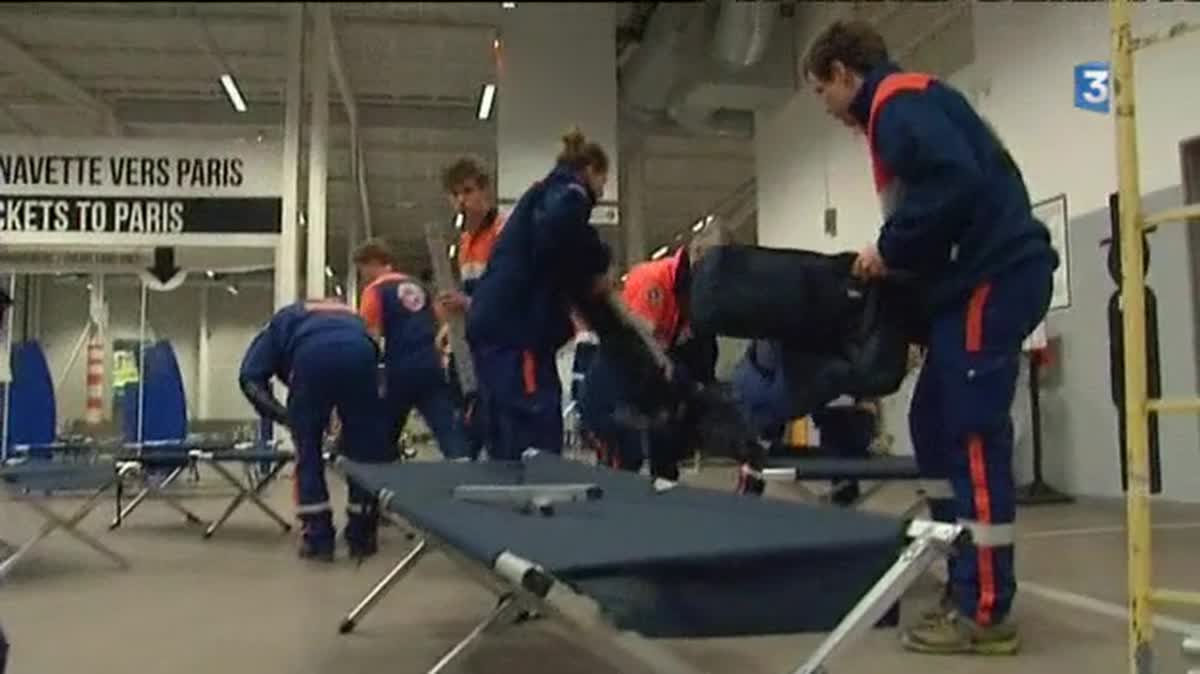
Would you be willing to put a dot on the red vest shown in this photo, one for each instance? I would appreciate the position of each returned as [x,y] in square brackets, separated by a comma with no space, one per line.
[888,87]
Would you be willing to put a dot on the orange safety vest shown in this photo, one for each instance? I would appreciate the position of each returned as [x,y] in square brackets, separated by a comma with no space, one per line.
[889,86]
[474,250]
[650,293]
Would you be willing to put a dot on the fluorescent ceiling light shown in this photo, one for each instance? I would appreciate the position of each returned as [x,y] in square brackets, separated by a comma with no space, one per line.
[699,225]
[508,5]
[458,220]
[453,250]
[338,289]
[659,253]
[210,273]
[486,97]
[328,271]
[231,90]
[231,289]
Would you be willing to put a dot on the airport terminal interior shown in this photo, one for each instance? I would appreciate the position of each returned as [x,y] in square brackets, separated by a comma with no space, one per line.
[692,431]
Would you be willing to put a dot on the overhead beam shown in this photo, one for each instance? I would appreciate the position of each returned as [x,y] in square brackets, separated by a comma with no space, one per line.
[41,75]
[153,16]
[358,165]
[270,113]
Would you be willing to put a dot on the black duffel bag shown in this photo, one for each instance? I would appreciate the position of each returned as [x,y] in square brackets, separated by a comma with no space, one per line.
[754,292]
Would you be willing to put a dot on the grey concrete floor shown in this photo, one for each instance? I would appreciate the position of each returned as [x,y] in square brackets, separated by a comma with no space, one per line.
[242,603]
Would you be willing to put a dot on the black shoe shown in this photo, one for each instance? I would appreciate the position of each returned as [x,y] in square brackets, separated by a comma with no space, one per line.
[317,549]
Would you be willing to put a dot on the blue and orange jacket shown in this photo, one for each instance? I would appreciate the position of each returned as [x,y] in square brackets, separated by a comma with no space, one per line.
[475,249]
[272,351]
[547,253]
[956,210]
[398,311]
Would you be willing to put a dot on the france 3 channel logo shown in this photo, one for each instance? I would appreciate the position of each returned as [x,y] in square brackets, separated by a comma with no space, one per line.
[1093,89]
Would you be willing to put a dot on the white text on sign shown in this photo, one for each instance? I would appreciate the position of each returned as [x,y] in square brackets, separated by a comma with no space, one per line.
[144,216]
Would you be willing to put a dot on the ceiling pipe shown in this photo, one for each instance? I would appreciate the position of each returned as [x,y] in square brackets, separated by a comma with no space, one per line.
[681,43]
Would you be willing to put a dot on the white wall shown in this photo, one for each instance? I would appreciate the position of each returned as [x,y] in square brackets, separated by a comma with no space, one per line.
[1022,81]
[557,68]
[233,322]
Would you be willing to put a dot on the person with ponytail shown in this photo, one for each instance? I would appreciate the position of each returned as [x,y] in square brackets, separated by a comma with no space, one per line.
[547,258]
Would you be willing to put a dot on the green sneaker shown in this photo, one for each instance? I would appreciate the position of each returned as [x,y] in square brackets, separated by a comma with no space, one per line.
[952,634]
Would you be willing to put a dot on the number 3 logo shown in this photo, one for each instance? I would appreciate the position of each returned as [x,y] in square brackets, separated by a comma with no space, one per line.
[1097,89]
[1092,90]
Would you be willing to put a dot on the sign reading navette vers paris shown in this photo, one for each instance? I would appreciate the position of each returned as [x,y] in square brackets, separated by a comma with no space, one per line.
[108,191]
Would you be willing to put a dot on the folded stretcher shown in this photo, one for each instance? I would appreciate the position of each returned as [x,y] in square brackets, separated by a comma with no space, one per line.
[633,561]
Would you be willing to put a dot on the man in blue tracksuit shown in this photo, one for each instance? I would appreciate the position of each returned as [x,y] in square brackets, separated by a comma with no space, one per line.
[958,216]
[399,313]
[546,255]
[321,350]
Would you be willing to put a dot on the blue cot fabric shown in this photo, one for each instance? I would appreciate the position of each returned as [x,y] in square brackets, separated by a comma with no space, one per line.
[684,563]
[42,476]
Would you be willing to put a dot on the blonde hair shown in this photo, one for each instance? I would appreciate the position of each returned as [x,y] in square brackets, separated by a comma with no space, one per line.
[580,153]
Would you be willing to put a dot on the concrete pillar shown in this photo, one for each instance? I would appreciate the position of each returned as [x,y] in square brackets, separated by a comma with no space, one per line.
[633,206]
[286,258]
[556,68]
[318,152]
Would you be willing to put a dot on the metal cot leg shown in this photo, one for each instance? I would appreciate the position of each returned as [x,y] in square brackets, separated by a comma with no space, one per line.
[381,588]
[54,521]
[252,492]
[498,616]
[932,540]
[123,513]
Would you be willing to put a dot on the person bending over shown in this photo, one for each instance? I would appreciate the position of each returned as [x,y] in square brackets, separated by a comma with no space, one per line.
[957,216]
[659,293]
[321,350]
[469,187]
[546,256]
[398,313]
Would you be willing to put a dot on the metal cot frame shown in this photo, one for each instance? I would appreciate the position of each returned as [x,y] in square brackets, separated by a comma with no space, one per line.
[35,495]
[1138,406]
[522,585]
[250,490]
[840,471]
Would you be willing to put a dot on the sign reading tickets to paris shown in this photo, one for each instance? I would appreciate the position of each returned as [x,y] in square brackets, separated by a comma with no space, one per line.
[1093,90]
[87,190]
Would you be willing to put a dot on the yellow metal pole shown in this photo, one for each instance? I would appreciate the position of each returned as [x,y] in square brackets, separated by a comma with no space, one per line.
[1133,284]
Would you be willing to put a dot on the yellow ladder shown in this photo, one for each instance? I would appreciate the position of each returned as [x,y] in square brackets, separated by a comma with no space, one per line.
[1142,594]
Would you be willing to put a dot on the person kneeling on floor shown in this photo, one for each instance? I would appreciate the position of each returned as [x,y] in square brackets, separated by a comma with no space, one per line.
[322,351]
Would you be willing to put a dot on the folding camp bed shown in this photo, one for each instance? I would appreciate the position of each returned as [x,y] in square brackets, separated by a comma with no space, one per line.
[175,457]
[34,482]
[616,560]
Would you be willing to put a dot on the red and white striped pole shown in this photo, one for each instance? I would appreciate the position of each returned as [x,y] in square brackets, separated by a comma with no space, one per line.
[94,412]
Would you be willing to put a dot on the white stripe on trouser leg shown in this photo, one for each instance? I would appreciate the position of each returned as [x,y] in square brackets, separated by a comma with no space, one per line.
[990,535]
[936,489]
[313,508]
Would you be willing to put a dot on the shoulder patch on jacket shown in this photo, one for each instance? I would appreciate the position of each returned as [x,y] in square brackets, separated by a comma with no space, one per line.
[411,295]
